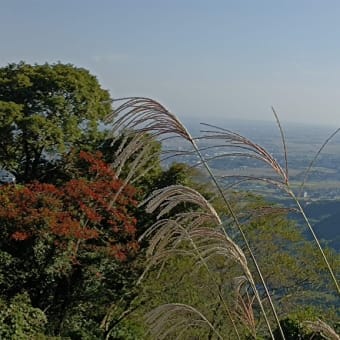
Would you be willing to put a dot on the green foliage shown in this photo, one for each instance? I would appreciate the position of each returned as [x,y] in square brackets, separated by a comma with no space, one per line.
[45,110]
[20,321]
[71,245]
[71,248]
[177,173]
[126,330]
[294,330]
[183,280]
[288,262]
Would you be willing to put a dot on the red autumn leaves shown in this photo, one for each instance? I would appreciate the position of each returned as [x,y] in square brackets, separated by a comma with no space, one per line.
[92,211]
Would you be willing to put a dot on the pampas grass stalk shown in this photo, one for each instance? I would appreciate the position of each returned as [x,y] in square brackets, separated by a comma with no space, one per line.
[189,227]
[144,115]
[321,327]
[181,315]
[244,305]
[207,242]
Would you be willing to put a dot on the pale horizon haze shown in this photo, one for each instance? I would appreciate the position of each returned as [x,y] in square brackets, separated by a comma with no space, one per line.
[201,59]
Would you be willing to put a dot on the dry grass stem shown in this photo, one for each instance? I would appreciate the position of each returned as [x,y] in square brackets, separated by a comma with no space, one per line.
[250,148]
[169,197]
[244,304]
[130,147]
[211,243]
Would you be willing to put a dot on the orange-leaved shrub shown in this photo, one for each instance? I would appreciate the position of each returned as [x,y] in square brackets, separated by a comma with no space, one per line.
[93,211]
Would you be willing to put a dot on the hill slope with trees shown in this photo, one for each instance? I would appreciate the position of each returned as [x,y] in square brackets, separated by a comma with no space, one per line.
[99,241]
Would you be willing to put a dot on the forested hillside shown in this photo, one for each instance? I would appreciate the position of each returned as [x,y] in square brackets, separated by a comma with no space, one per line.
[99,241]
[325,214]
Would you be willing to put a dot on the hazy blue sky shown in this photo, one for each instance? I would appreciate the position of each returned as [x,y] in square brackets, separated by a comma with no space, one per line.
[199,58]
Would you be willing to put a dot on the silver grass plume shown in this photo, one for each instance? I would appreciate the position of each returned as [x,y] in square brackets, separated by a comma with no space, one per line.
[321,327]
[176,317]
[134,154]
[145,115]
[131,145]
[249,149]
[244,304]
[142,121]
[166,236]
[171,237]
[169,197]
[211,243]
[214,242]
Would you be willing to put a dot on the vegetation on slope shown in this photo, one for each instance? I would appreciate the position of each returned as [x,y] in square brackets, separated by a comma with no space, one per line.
[99,242]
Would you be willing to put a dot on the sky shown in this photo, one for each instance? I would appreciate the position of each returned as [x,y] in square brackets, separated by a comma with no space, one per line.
[204,60]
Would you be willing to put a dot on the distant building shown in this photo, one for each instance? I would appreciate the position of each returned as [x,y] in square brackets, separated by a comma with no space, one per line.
[6,177]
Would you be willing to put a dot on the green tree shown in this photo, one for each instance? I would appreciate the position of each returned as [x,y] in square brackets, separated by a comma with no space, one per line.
[19,320]
[44,111]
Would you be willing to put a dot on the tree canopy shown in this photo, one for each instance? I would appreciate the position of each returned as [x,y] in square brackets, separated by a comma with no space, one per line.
[69,245]
[44,111]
